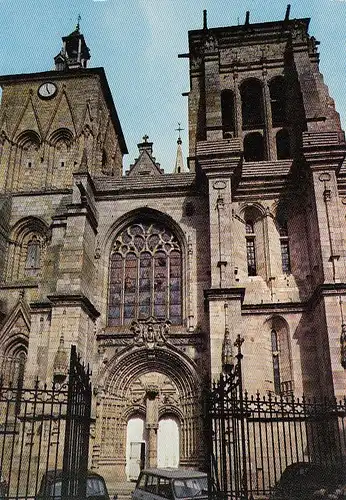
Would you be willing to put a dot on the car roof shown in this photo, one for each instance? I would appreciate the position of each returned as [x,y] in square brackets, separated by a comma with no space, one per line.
[56,474]
[174,473]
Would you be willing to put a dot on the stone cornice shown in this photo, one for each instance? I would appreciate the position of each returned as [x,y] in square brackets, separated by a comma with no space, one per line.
[274,308]
[234,293]
[75,300]
[326,290]
[321,291]
[324,150]
[219,157]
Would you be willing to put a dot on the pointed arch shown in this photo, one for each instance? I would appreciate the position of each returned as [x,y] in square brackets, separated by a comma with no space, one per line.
[28,242]
[253,232]
[14,340]
[145,274]
[280,348]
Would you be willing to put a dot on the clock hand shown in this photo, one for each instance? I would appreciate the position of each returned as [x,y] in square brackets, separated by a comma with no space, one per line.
[47,88]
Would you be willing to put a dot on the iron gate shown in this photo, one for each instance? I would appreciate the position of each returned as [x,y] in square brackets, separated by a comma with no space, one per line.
[45,428]
[254,439]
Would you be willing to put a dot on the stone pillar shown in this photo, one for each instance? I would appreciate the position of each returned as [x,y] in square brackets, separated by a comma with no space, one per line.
[267,119]
[324,155]
[152,424]
[238,119]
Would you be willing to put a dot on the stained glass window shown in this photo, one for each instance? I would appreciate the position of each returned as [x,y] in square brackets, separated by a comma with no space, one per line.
[145,275]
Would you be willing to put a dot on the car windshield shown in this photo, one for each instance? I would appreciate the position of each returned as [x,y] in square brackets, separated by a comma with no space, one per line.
[190,487]
[95,487]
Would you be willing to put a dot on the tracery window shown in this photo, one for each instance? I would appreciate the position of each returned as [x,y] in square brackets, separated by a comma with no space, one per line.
[145,275]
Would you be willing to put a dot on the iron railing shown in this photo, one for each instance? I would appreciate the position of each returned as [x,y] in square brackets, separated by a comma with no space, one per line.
[254,439]
[45,428]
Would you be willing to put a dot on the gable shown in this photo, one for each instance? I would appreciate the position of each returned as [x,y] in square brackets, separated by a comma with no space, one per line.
[145,166]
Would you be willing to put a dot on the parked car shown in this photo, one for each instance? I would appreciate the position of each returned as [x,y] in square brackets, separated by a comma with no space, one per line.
[172,484]
[50,487]
[305,481]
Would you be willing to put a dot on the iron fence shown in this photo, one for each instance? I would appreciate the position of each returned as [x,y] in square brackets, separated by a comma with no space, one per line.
[37,426]
[254,439]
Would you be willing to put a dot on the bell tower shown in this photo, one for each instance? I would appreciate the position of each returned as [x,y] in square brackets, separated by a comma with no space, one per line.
[74,53]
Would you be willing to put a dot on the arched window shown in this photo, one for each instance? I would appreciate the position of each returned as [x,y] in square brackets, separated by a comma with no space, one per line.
[254,147]
[284,246]
[29,142]
[283,148]
[61,139]
[277,90]
[281,357]
[145,275]
[32,264]
[252,104]
[276,362]
[250,247]
[227,109]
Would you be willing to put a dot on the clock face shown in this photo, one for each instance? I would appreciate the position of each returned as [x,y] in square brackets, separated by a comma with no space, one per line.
[47,90]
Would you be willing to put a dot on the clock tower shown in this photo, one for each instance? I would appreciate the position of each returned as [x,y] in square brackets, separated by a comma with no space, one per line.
[49,121]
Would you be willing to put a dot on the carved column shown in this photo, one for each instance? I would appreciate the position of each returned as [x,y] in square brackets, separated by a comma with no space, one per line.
[152,423]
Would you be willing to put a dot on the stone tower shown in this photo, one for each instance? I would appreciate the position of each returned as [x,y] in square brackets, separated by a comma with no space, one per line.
[266,139]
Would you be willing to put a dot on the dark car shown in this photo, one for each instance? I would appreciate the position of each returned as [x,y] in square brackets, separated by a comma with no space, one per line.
[305,481]
[50,487]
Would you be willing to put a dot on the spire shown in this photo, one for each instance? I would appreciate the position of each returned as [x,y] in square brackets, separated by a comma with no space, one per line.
[74,53]
[179,162]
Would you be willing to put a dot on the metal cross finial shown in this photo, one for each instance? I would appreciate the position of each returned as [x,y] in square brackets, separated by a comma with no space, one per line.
[78,19]
[179,129]
[238,342]
[145,138]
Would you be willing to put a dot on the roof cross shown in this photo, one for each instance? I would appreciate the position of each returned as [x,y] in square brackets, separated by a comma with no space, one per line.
[78,19]
[145,138]
[179,129]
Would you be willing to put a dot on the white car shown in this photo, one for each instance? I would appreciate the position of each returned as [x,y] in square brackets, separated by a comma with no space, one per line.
[171,484]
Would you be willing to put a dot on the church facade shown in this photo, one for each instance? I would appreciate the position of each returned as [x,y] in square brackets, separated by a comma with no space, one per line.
[153,275]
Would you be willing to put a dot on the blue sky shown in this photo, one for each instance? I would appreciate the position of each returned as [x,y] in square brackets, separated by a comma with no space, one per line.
[137,42]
